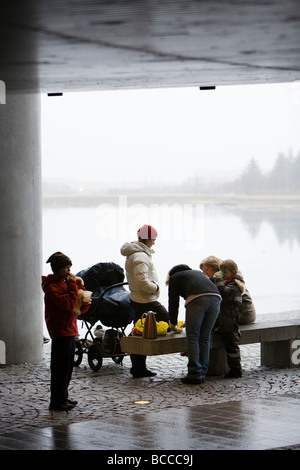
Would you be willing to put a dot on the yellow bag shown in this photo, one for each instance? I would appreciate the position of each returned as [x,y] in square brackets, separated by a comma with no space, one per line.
[162,328]
[138,329]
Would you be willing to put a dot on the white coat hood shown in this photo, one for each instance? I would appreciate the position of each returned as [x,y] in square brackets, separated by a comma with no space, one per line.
[134,247]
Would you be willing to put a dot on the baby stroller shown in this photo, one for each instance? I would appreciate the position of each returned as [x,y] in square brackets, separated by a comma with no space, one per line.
[110,306]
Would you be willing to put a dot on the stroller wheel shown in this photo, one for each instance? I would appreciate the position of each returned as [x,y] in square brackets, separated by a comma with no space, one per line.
[95,356]
[78,353]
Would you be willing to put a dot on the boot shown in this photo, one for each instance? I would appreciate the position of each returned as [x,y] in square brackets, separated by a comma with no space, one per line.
[139,368]
[234,373]
[235,366]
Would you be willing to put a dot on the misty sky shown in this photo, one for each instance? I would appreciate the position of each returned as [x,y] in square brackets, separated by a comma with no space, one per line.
[167,135]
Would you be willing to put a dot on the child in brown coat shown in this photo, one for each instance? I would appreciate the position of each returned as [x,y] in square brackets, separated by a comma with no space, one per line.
[228,320]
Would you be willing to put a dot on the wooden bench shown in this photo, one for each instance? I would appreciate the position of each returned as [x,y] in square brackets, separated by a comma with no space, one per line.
[277,339]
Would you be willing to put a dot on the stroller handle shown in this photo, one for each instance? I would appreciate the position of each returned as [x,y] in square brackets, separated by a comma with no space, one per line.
[109,288]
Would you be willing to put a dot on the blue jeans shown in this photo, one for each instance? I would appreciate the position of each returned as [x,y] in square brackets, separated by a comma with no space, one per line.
[201,314]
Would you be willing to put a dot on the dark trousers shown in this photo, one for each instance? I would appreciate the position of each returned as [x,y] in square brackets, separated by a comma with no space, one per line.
[61,366]
[138,361]
[231,343]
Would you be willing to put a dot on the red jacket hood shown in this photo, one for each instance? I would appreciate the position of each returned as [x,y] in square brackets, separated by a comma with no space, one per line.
[48,280]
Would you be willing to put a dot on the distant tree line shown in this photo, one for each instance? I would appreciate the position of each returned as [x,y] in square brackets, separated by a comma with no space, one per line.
[284,177]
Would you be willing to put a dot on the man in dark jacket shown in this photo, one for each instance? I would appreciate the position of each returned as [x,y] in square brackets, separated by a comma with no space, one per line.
[202,302]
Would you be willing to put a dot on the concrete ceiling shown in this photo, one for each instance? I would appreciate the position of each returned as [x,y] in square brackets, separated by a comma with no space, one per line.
[72,45]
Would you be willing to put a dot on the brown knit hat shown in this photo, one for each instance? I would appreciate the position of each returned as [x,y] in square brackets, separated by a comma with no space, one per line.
[58,260]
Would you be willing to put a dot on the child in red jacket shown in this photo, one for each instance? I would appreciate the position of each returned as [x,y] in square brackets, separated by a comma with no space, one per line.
[61,297]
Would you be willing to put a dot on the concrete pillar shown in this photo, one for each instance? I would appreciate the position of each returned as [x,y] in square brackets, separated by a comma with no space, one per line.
[21,301]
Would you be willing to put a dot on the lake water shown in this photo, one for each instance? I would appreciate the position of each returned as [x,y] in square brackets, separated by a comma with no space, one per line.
[264,244]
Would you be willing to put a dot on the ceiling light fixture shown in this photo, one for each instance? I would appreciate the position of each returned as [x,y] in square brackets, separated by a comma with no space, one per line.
[55,94]
[210,87]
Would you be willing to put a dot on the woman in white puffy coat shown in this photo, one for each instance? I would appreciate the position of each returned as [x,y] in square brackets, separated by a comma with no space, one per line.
[143,285]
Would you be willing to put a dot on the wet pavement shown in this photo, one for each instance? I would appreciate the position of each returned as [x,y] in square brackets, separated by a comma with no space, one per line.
[261,410]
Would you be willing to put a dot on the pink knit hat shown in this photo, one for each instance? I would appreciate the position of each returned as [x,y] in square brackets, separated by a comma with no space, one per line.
[147,232]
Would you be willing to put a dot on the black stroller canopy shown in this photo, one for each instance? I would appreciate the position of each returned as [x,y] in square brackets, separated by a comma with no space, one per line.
[110,300]
[101,274]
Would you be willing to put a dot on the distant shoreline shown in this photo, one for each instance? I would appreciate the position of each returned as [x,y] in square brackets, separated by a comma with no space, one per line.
[254,202]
